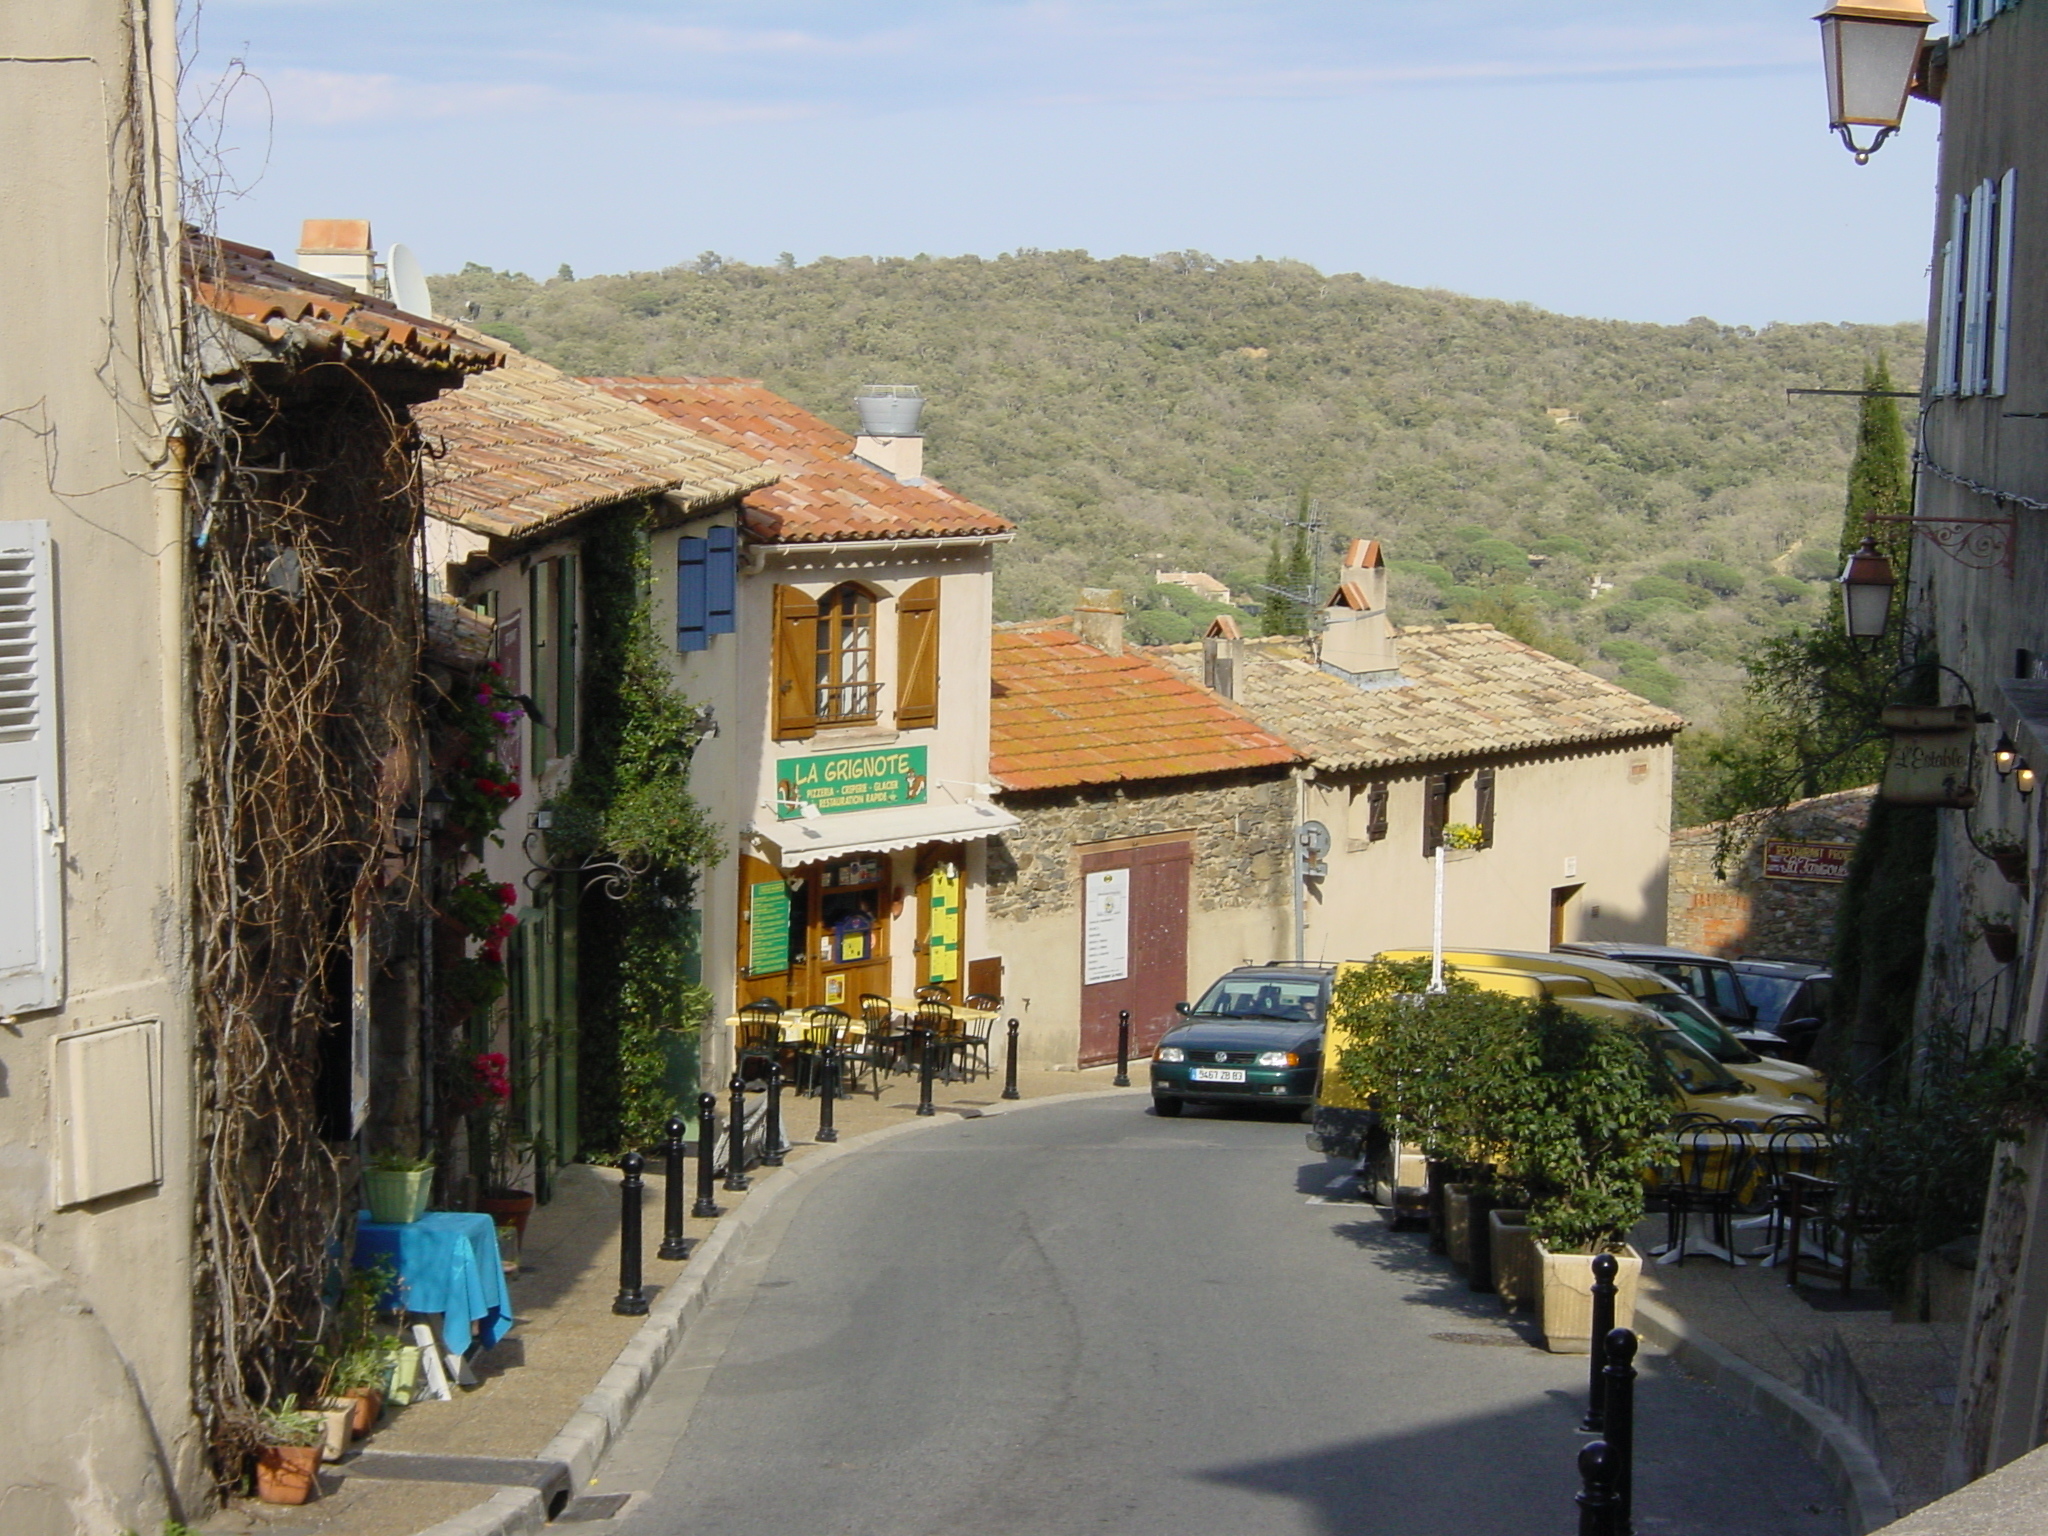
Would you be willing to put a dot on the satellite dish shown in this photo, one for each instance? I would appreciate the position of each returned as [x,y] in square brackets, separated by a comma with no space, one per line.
[408,283]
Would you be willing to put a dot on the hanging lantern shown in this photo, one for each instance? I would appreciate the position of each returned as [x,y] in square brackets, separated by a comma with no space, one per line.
[1870,49]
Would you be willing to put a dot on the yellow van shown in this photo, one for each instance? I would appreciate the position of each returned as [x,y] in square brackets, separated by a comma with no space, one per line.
[1766,1076]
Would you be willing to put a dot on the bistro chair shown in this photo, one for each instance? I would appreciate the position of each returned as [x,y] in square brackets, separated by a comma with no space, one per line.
[757,1042]
[883,1035]
[934,1028]
[936,992]
[1701,1179]
[977,1031]
[1791,1144]
[823,1026]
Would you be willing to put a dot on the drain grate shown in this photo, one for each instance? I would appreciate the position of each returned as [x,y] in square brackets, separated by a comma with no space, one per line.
[593,1506]
[1509,1340]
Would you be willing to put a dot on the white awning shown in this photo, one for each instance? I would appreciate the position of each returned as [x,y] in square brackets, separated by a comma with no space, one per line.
[808,839]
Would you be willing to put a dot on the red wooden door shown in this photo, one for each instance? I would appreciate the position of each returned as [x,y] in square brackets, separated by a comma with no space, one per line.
[1156,951]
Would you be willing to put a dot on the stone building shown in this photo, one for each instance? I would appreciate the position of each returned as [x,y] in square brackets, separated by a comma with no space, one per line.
[1782,886]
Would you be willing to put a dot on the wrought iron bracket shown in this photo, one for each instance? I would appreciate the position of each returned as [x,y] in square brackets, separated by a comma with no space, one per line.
[1979,543]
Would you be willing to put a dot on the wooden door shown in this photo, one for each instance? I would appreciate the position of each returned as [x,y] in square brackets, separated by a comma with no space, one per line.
[1154,893]
[846,935]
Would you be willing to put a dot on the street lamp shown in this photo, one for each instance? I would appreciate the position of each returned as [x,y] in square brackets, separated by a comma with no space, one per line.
[2005,756]
[1870,49]
[2023,778]
[1867,583]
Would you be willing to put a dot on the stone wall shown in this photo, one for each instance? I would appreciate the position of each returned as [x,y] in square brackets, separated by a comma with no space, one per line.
[1747,913]
[1242,829]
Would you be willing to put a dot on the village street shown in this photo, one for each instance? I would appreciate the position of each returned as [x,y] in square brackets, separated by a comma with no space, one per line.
[1085,1318]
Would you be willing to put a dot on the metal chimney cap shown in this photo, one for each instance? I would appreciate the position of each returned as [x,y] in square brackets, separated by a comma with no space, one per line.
[889,410]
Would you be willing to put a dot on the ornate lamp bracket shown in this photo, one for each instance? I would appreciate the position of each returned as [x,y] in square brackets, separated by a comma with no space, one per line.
[1980,543]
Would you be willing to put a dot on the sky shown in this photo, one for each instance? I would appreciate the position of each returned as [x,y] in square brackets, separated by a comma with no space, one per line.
[1630,159]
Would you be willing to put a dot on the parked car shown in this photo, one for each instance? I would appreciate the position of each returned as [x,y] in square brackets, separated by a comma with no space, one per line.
[1254,1037]
[1707,978]
[1791,998]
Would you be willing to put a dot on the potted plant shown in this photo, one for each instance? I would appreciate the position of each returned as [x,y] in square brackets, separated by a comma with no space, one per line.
[1590,1126]
[356,1359]
[287,1457]
[2005,850]
[501,1151]
[396,1187]
[2001,938]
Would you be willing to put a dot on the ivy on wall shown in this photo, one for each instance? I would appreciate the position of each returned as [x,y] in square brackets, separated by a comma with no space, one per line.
[629,803]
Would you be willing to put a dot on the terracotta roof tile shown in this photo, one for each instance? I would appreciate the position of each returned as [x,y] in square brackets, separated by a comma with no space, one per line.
[1067,714]
[528,446]
[294,316]
[825,493]
[1464,690]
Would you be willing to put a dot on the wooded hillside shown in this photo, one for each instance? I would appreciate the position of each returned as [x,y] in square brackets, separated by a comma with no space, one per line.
[1174,413]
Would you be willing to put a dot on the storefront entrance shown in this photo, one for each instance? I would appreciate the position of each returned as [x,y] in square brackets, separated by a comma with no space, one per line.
[815,935]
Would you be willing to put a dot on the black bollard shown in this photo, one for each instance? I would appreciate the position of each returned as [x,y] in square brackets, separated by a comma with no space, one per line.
[1123,1049]
[1010,1065]
[1620,1409]
[1604,1269]
[828,1079]
[736,1142]
[673,1244]
[924,1070]
[707,1206]
[1596,1490]
[771,1147]
[631,1301]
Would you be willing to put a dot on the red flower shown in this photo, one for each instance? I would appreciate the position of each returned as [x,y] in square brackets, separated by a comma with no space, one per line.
[508,893]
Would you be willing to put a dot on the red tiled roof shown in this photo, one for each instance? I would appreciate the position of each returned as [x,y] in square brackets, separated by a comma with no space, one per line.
[527,447]
[1065,713]
[295,315]
[825,493]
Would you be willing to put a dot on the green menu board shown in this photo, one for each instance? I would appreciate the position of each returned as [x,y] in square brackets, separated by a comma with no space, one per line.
[768,951]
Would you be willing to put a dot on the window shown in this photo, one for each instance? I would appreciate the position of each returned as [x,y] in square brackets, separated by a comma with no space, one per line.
[1436,811]
[552,600]
[1966,16]
[824,659]
[1482,811]
[917,656]
[707,578]
[1366,815]
[1975,328]
[31,829]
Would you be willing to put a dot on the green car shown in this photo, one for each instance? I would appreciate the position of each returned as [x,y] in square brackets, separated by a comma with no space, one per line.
[1255,1037]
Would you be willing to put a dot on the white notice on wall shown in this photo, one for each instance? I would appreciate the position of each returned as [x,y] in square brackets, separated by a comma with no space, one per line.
[1106,934]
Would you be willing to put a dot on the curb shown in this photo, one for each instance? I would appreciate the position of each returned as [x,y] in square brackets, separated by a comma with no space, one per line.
[1865,1491]
[608,1407]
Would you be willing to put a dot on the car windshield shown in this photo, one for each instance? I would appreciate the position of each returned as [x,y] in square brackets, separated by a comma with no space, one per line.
[1713,985]
[1263,997]
[1698,1026]
[1768,995]
[1692,1068]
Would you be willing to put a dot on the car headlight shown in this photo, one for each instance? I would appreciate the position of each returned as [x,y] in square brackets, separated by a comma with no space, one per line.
[1804,1098]
[1278,1059]
[1169,1053]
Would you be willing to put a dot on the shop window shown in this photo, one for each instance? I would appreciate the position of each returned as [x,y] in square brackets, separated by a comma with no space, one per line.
[917,656]
[824,659]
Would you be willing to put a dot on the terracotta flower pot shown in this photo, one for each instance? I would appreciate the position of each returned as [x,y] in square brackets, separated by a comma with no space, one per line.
[1564,1300]
[508,1207]
[2002,943]
[287,1474]
[366,1404]
[2012,863]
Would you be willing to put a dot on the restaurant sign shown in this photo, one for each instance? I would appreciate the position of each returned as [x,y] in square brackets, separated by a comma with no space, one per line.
[1807,861]
[1931,755]
[849,781]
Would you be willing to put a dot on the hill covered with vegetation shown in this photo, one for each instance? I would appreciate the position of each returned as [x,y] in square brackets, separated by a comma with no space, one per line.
[1644,499]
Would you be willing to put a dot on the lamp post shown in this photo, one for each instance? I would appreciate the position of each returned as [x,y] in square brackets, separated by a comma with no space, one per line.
[2005,756]
[1870,49]
[1867,583]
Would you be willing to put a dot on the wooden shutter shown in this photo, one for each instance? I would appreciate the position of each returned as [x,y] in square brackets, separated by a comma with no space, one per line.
[1376,811]
[2001,287]
[917,656]
[1436,811]
[693,630]
[1482,789]
[796,664]
[565,693]
[721,579]
[31,828]
[1976,279]
[1945,365]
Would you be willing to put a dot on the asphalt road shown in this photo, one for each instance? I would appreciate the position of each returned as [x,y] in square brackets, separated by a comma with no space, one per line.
[1080,1318]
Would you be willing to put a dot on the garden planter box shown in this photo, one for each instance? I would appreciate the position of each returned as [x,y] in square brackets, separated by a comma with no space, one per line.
[1564,1299]
[1458,1224]
[287,1474]
[1514,1259]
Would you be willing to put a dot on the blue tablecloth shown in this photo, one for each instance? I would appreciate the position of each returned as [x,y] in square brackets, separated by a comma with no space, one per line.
[447,1262]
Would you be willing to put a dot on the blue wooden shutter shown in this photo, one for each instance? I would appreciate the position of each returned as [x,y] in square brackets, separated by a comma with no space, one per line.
[693,606]
[721,579]
[2001,287]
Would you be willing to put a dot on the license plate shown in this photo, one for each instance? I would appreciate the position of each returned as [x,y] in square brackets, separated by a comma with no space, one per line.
[1218,1074]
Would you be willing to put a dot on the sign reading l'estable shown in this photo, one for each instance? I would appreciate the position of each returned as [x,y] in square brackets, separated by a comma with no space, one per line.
[849,781]
[1930,768]
[1807,861]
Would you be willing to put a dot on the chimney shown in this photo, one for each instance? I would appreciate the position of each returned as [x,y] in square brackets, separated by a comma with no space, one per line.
[889,439]
[1099,619]
[1222,653]
[1358,637]
[339,249]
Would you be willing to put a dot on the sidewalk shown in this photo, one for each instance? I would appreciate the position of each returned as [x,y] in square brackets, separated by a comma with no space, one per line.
[567,1339]
[1868,1397]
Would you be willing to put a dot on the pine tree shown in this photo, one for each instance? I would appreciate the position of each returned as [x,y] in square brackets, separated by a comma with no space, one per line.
[1290,577]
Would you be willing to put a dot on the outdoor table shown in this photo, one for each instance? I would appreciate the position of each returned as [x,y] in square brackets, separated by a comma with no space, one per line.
[1734,1166]
[447,1262]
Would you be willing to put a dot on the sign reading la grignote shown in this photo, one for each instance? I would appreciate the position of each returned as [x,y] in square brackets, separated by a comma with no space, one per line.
[1807,861]
[849,781]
